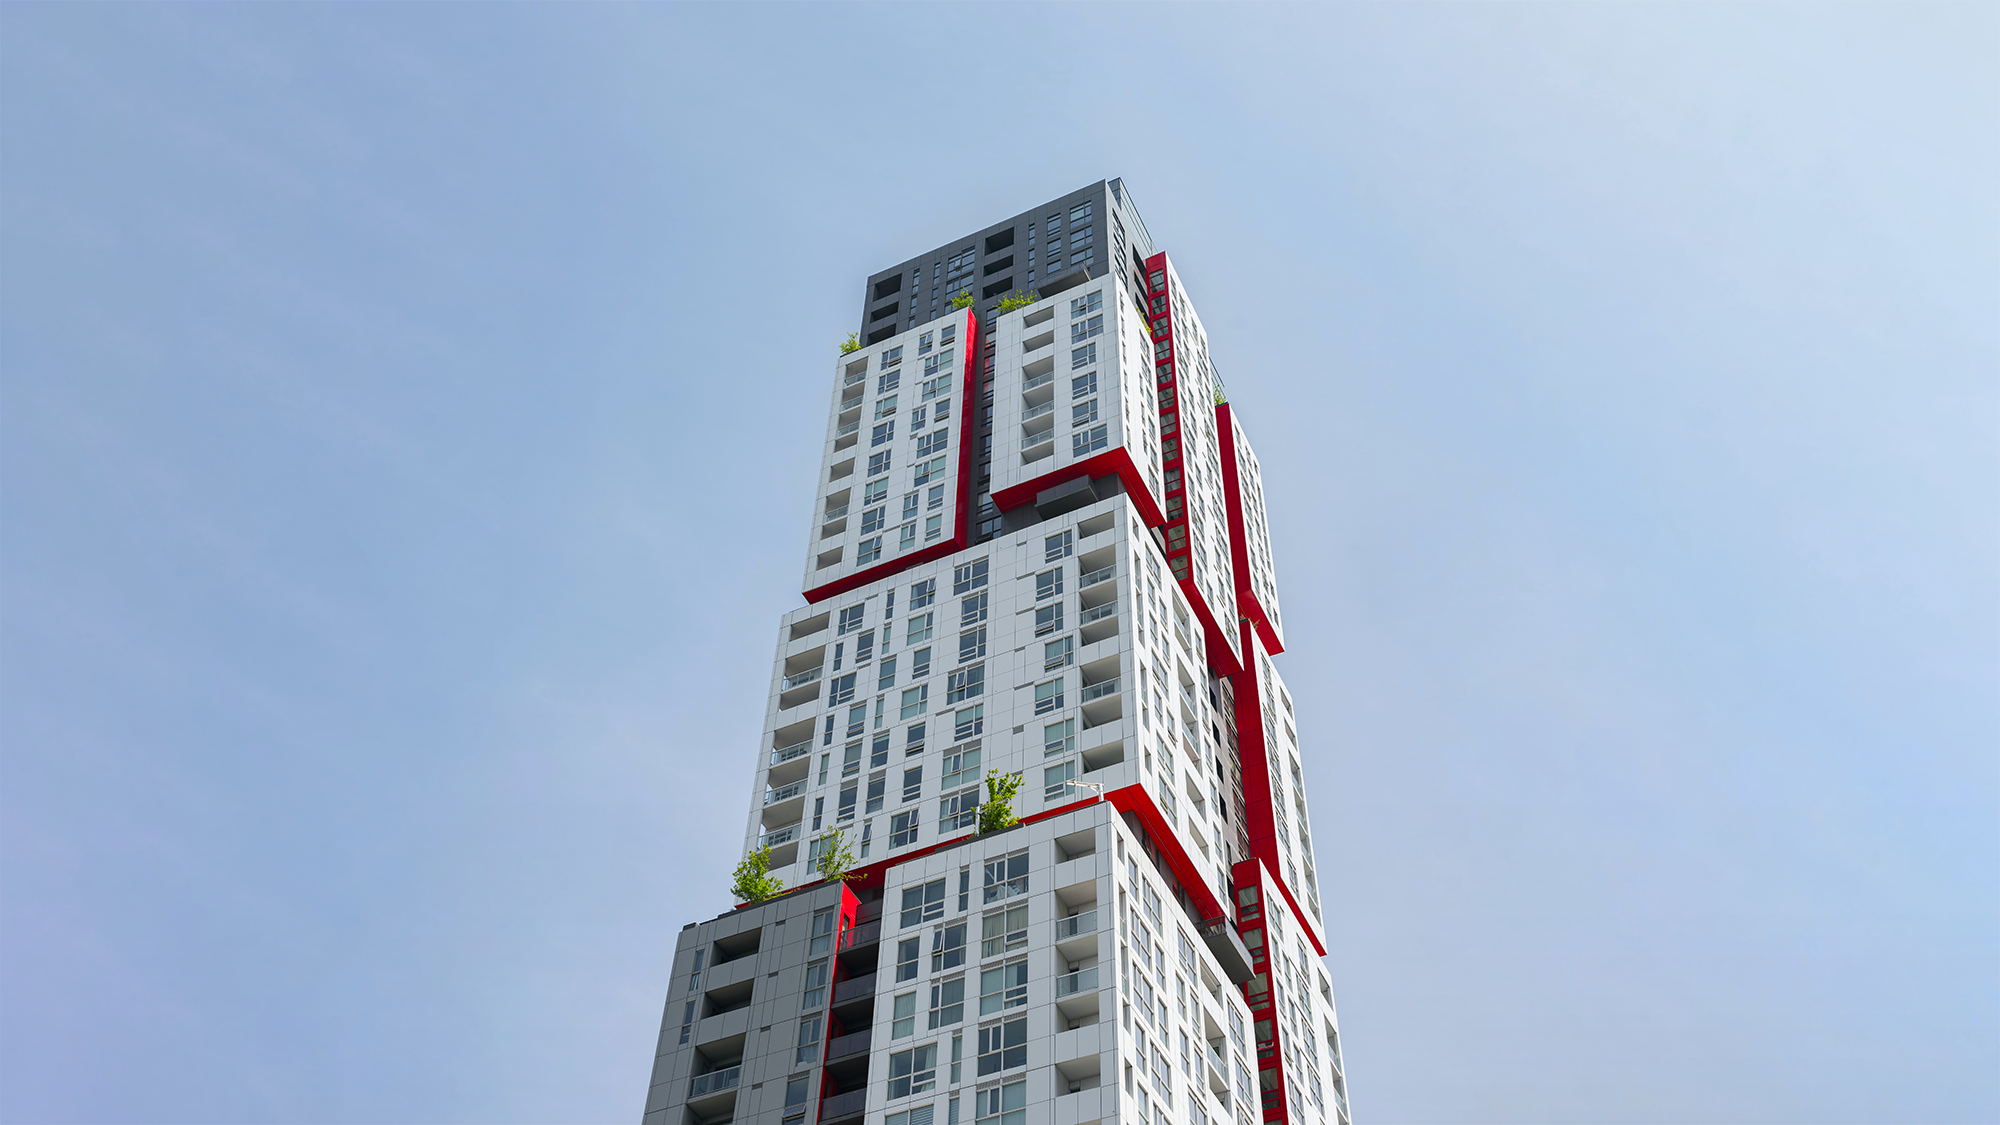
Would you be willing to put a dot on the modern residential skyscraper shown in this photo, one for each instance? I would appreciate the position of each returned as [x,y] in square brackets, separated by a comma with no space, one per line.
[1038,548]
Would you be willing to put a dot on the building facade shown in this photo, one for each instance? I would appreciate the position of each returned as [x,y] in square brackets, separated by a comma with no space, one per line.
[1038,548]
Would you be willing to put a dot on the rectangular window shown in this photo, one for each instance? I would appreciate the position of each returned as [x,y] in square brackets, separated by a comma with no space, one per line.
[892,357]
[1059,781]
[848,797]
[1048,584]
[874,492]
[969,722]
[913,1071]
[935,499]
[886,674]
[972,610]
[885,407]
[1084,384]
[822,933]
[969,577]
[1003,930]
[1083,412]
[920,663]
[903,1016]
[1057,547]
[947,1003]
[878,463]
[840,689]
[911,501]
[1083,356]
[1003,1105]
[1049,697]
[959,810]
[850,619]
[1058,738]
[1007,876]
[864,647]
[808,1041]
[1084,305]
[869,550]
[1089,441]
[972,646]
[1003,986]
[908,952]
[687,1022]
[928,469]
[934,442]
[878,787]
[933,528]
[923,904]
[815,994]
[1048,619]
[1003,1046]
[922,594]
[942,410]
[919,628]
[884,433]
[961,766]
[1084,329]
[1058,653]
[916,700]
[948,947]
[878,754]
[913,783]
[915,740]
[965,684]
[886,383]
[903,829]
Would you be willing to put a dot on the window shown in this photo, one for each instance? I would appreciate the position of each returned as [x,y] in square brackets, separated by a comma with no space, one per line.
[913,1071]
[850,619]
[959,810]
[840,689]
[1058,738]
[947,334]
[1084,329]
[878,754]
[874,492]
[961,766]
[965,683]
[885,407]
[923,342]
[1089,441]
[857,719]
[908,951]
[1057,546]
[916,700]
[884,433]
[936,498]
[1083,356]
[878,463]
[886,674]
[1003,986]
[934,442]
[942,410]
[1048,584]
[1002,1105]
[969,577]
[923,904]
[815,985]
[887,383]
[808,1046]
[1058,653]
[915,742]
[933,528]
[1059,781]
[893,356]
[864,647]
[913,783]
[927,469]
[903,829]
[969,722]
[1007,876]
[910,502]
[1048,619]
[1003,1046]
[920,662]
[1083,412]
[948,947]
[922,593]
[848,795]
[919,628]
[1003,931]
[822,933]
[1084,384]
[903,1016]
[1084,305]
[687,1022]
[1048,697]
[947,1003]
[972,610]
[878,787]
[972,646]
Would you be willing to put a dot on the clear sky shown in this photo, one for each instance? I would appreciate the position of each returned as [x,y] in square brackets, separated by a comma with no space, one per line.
[408,417]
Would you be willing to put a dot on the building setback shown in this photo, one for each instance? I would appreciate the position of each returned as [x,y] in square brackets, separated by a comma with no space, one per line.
[1039,547]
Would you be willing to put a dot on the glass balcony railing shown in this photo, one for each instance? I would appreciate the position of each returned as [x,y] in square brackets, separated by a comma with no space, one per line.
[1036,412]
[1070,927]
[1042,380]
[1042,438]
[833,514]
[714,1082]
[1100,690]
[1096,576]
[787,753]
[785,793]
[1108,609]
[803,678]
[776,836]
[851,427]
[867,933]
[1083,980]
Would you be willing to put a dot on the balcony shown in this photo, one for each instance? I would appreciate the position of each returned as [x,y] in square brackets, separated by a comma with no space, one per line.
[842,1106]
[833,514]
[1042,380]
[714,1082]
[1096,576]
[1108,609]
[784,793]
[803,678]
[855,937]
[846,435]
[787,753]
[1076,925]
[1083,980]
[1099,691]
[1035,412]
[860,988]
[786,835]
[1037,446]
[845,1045]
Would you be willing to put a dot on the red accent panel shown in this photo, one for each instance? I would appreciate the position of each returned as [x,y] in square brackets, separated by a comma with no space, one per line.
[959,541]
[1254,758]
[1112,461]
[1135,800]
[1239,547]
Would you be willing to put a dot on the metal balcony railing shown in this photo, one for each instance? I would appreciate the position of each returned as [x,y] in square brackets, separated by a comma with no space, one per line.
[1083,980]
[787,753]
[1096,576]
[1100,690]
[785,793]
[1070,927]
[714,1082]
[803,678]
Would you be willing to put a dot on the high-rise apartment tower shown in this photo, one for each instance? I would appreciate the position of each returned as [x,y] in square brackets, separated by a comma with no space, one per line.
[1038,547]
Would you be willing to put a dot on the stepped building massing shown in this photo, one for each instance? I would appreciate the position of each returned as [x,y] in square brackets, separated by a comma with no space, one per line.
[1038,545]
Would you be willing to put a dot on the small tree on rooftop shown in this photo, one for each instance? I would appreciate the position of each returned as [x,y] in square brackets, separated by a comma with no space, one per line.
[1018,300]
[853,343]
[998,811]
[962,299]
[835,857]
[754,881]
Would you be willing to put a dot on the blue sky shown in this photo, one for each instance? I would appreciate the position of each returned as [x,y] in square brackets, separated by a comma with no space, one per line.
[407,421]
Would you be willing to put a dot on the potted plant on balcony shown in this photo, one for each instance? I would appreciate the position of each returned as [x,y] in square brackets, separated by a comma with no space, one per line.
[754,881]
